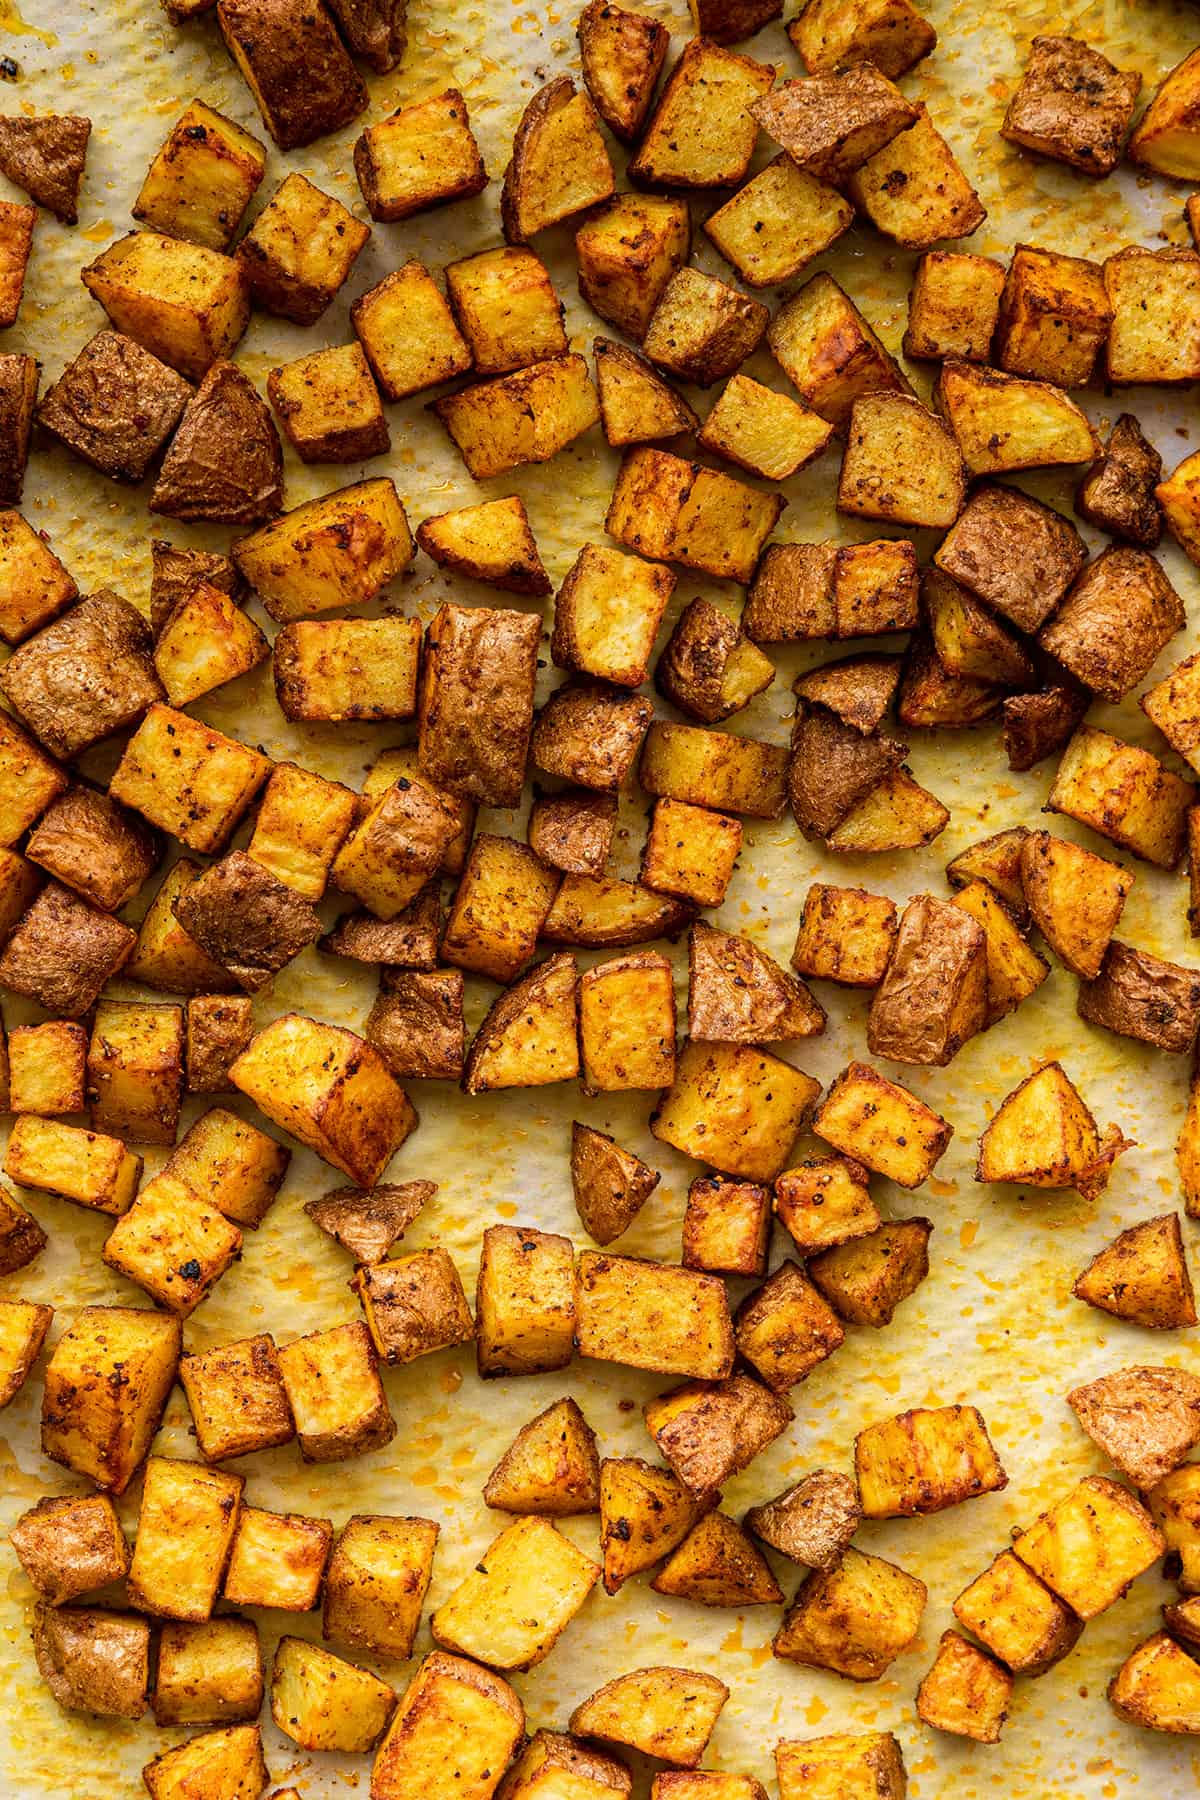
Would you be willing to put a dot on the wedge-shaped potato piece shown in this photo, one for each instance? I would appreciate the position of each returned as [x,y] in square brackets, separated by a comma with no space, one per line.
[882,1125]
[555,1763]
[336,1396]
[408,334]
[812,1522]
[491,542]
[708,668]
[1125,794]
[655,1316]
[1155,331]
[369,1224]
[969,640]
[1006,422]
[84,676]
[995,861]
[1145,1420]
[627,252]
[424,155]
[106,1384]
[323,1703]
[449,1702]
[610,1184]
[777,223]
[645,1513]
[627,1023]
[209,1672]
[934,994]
[1072,105]
[1044,1136]
[225,462]
[1090,1545]
[600,913]
[846,935]
[1142,997]
[21,1237]
[277,1560]
[763,431]
[573,829]
[331,1090]
[669,1714]
[501,904]
[551,1466]
[228,1762]
[966,1692]
[1175,1504]
[737,1108]
[829,35]
[507,309]
[717,1565]
[680,512]
[237,1398]
[702,134]
[559,164]
[622,54]
[188,1518]
[526,417]
[914,189]
[785,1328]
[339,550]
[1142,1276]
[376,1583]
[900,464]
[636,405]
[1119,491]
[23,1328]
[524,1301]
[1015,1615]
[1014,970]
[1039,725]
[854,1619]
[414,1305]
[925,1460]
[833,123]
[207,641]
[186,304]
[1075,899]
[520,1597]
[1054,317]
[713,769]
[702,329]
[88,1167]
[829,352]
[173,1244]
[1158,1687]
[1173,705]
[866,1765]
[1115,620]
[92,1660]
[164,957]
[953,306]
[607,613]
[34,585]
[737,994]
[1167,138]
[710,1432]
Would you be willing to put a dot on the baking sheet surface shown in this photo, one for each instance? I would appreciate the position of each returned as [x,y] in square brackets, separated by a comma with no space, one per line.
[995,1323]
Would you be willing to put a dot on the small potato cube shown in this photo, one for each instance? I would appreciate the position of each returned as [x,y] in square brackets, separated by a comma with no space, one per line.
[23,1328]
[552,1762]
[846,935]
[892,34]
[653,1316]
[1008,422]
[1117,617]
[858,690]
[734,1107]
[239,1168]
[1090,1545]
[925,1460]
[627,1023]
[187,778]
[1072,105]
[934,994]
[627,252]
[277,1559]
[708,668]
[16,242]
[246,919]
[607,613]
[644,1513]
[376,1583]
[19,376]
[299,251]
[854,1619]
[335,669]
[824,1201]
[237,1398]
[777,223]
[1178,497]
[690,852]
[70,1546]
[417,1024]
[610,1185]
[295,65]
[828,351]
[207,641]
[34,585]
[1054,317]
[368,1224]
[331,1090]
[726,1226]
[173,1244]
[449,1700]
[1017,555]
[47,1068]
[968,640]
[785,1328]
[506,308]
[84,1166]
[202,179]
[669,1714]
[914,189]
[93,1660]
[717,1565]
[890,433]
[1166,136]
[499,909]
[302,820]
[605,914]
[209,1672]
[1014,971]
[165,957]
[1155,331]
[224,1762]
[187,1522]
[763,431]
[1125,794]
[811,1522]
[408,942]
[422,156]
[832,124]
[1119,494]
[476,708]
[1144,1420]
[589,734]
[702,133]
[1043,1135]
[138,281]
[636,405]
[866,1279]
[339,550]
[867,1765]
[713,770]
[1016,1616]
[966,1692]
[135,1071]
[106,1384]
[709,1433]
[333,1388]
[526,417]
[323,1703]
[408,333]
[414,1306]
[524,1301]
[1158,1686]
[329,406]
[551,1467]
[560,164]
[702,330]
[520,1597]
[953,306]
[22,1239]
[665,507]
[1074,897]
[882,1125]
[398,845]
[573,830]
[491,542]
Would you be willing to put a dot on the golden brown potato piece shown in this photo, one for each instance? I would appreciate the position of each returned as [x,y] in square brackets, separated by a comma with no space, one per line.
[1125,794]
[408,336]
[93,1660]
[832,124]
[914,190]
[702,330]
[892,34]
[825,1200]
[925,1460]
[202,179]
[1014,970]
[690,852]
[590,734]
[1166,138]
[23,1328]
[186,304]
[551,1467]
[627,1023]
[812,1522]
[854,1619]
[881,1124]
[209,1672]
[414,1305]
[1155,331]
[449,1697]
[1009,422]
[645,1512]
[299,251]
[115,406]
[627,252]
[529,1037]
[376,1583]
[553,1759]
[622,54]
[1179,500]
[1158,1687]
[738,994]
[323,1703]
[636,405]
[726,1226]
[1015,1615]
[717,1565]
[526,417]
[777,222]
[702,133]
[846,935]
[933,996]
[601,913]
[421,156]
[1145,1420]
[368,1224]
[709,1432]
[560,164]
[734,1107]
[953,306]
[995,860]
[966,1692]
[247,920]
[669,1714]
[106,1384]
[186,1524]
[1143,997]
[1054,317]
[785,1328]
[524,1301]
[329,406]
[573,829]
[610,1184]
[34,585]
[829,352]
[519,1598]
[856,689]
[866,1279]
[219,1761]
[714,769]
[491,542]
[1173,1502]
[1075,899]
[1142,1276]
[1039,725]
[680,512]
[336,1397]
[476,709]
[650,1315]
[92,845]
[833,768]
[501,905]
[21,1237]
[237,1398]
[870,1763]
[1072,105]
[899,815]
[46,1068]
[900,464]
[968,639]
[295,65]
[1043,1135]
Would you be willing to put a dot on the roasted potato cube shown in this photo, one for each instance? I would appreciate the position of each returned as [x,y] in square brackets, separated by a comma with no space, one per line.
[953,306]
[1072,105]
[1155,331]
[323,1703]
[23,1328]
[1158,1686]
[627,252]
[84,676]
[854,1619]
[645,1512]
[777,223]
[636,405]
[1017,555]
[933,698]
[812,1522]
[1173,1502]
[93,1660]
[702,330]
[739,994]
[825,1200]
[1142,1276]
[135,1071]
[476,707]
[21,1237]
[302,821]
[709,1433]
[846,935]
[70,1546]
[19,376]
[1119,492]
[726,1226]
[690,852]
[828,351]
[1144,1420]
[202,179]
[16,241]
[188,779]
[606,914]
[506,309]
[398,845]
[520,1597]
[913,189]
[934,993]
[553,1762]
[968,638]
[1016,1616]
[867,1765]
[708,668]
[1115,620]
[239,1168]
[1074,897]
[1054,317]
[45,157]
[1172,706]
[653,1316]
[20,884]
[856,689]
[408,942]
[207,641]
[669,1714]
[573,830]
[784,1328]
[622,54]
[1090,1545]
[338,550]
[188,1518]
[46,1068]
[1125,794]
[966,1692]
[610,1184]
[500,906]
[882,1125]
[559,165]
[115,406]
[526,417]
[888,433]
[665,507]
[329,407]
[866,1279]
[1166,136]
[277,1559]
[34,585]
[763,431]
[1043,1135]
[173,1244]
[1014,971]
[713,769]
[414,1306]
[892,34]
[225,462]
[106,1384]
[627,1023]
[925,1460]
[417,1024]
[717,1565]
[449,1699]
[491,542]
[139,279]
[84,1166]
[525,1301]
[737,1108]
[376,1582]
[368,1224]
[237,1398]
[1007,422]
[246,919]
[408,334]
[590,734]
[299,251]
[175,572]
[702,134]
[833,123]
[551,1467]
[1038,725]
[332,1383]
[607,613]
[295,65]
[339,669]
[209,1672]
[229,1761]
[529,1037]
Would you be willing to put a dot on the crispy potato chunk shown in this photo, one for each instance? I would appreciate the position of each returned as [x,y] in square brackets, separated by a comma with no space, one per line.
[115,406]
[737,1108]
[1008,422]
[449,1702]
[1158,1686]
[417,1023]
[106,1384]
[702,133]
[526,417]
[645,1513]
[502,902]
[690,852]
[709,669]
[202,179]
[506,308]
[173,1244]
[785,1328]
[607,613]
[475,726]
[678,511]
[925,1460]
[882,1125]
[1072,105]
[610,1184]
[1017,555]
[339,550]
[228,1761]
[87,1167]
[524,1302]
[1142,997]
[135,1070]
[246,919]
[551,1467]
[1075,899]
[1091,1544]
[84,676]
[900,464]
[491,542]
[812,1522]
[408,334]
[552,1761]
[238,1167]
[825,1200]
[1142,1276]
[1115,620]
[914,189]
[627,252]
[739,994]
[329,406]
[299,251]
[1014,970]
[1166,137]
[186,1525]
[277,1560]
[367,1225]
[702,330]
[763,431]
[867,1765]
[93,1660]
[560,164]
[866,1279]
[600,913]
[188,779]
[775,224]
[649,1315]
[833,123]
[1144,1420]
[846,935]
[209,1672]
[713,769]
[934,994]
[376,1583]
[572,830]
[1054,317]
[854,1619]
[520,1597]
[323,1703]
[589,734]
[830,35]
[414,1305]
[1155,331]
[710,1432]
[637,406]
[1015,1615]
[237,1398]
[47,1068]
[953,306]
[717,1565]
[1119,492]
[93,846]
[421,156]
[34,585]
[296,67]
[1173,705]
[1038,725]
[1043,1135]
[669,1714]
[966,1692]
[23,1328]
[627,1023]
[21,1237]
[726,1226]
[1125,794]
[398,845]
[138,281]
[622,54]
[207,641]
[829,352]
[967,637]
[333,1388]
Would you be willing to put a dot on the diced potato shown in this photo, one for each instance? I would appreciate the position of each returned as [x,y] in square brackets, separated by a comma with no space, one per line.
[739,994]
[106,1384]
[228,1761]
[1173,705]
[627,1023]
[775,224]
[526,417]
[637,406]
[398,845]
[1145,1420]
[417,1024]
[737,1108]
[186,304]
[34,585]
[1126,585]
[607,613]
[1007,422]
[708,668]
[1142,1276]
[173,1244]
[763,431]
[588,734]
[62,951]
[46,1068]
[560,164]
[207,641]
[713,769]
[135,1071]
[669,1714]
[710,1432]
[501,904]
[1039,725]
[299,250]
[645,1512]
[1054,317]
[506,308]
[209,1672]
[914,189]
[1155,331]
[622,54]
[701,134]
[665,507]
[302,820]
[238,1168]
[519,1598]
[690,852]
[524,1301]
[476,709]
[573,829]
[202,179]
[1119,492]
[953,306]
[934,993]
[854,1619]
[866,1279]
[1075,899]
[376,1583]
[968,639]
[187,778]
[605,914]
[16,242]
[368,1224]
[653,1316]
[165,957]
[1014,970]
[833,123]
[900,464]
[1175,1504]
[1017,555]
[424,155]
[1143,997]
[610,1184]
[1158,1686]
[329,406]
[93,1660]
[1125,794]
[414,1305]
[829,352]
[997,862]
[408,333]
[829,35]
[717,1565]
[552,1762]
[188,1518]
[237,1398]
[1072,105]
[1167,139]
[925,1460]
[627,252]
[867,1765]
[882,1125]
[272,41]
[23,1328]
[1043,1135]
[85,1166]
[966,1692]
[449,1702]
[1017,1617]
[726,1226]
[825,1200]
[491,542]
[337,1399]
[1090,1545]
[702,330]
[348,668]
[551,1467]
[785,1328]
[21,1237]
[846,935]
[323,1703]
[811,1522]
[338,550]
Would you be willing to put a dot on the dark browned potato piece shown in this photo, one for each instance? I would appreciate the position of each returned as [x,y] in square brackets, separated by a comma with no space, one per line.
[45,157]
[84,676]
[1072,105]
[63,951]
[737,994]
[811,1522]
[1117,493]
[21,1237]
[1145,1420]
[246,919]
[933,995]
[573,830]
[833,767]
[590,734]
[865,1280]
[219,1028]
[18,394]
[70,1545]
[376,30]
[416,1023]
[368,1224]
[93,1660]
[115,406]
[1038,725]
[1114,621]
[622,54]
[476,707]
[90,844]
[225,463]
[1143,997]
[1019,556]
[610,1184]
[933,699]
[857,689]
[409,941]
[174,572]
[832,124]
[295,65]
